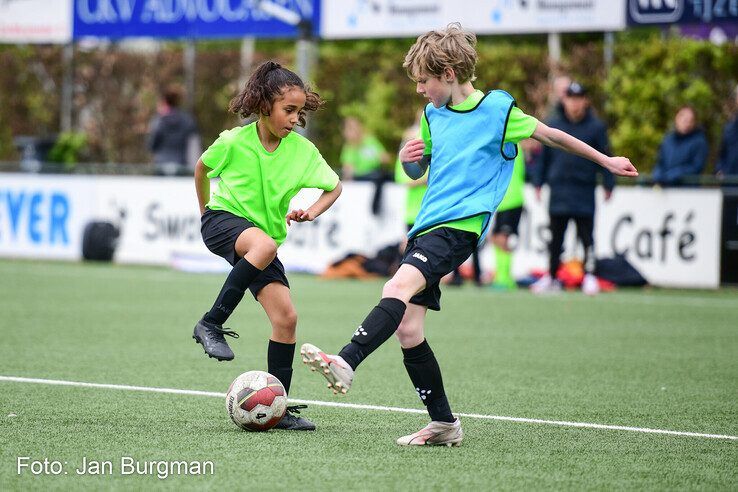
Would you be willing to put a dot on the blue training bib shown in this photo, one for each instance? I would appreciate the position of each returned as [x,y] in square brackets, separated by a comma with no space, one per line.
[471,166]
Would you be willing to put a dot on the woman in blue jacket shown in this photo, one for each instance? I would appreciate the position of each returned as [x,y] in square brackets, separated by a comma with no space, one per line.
[683,151]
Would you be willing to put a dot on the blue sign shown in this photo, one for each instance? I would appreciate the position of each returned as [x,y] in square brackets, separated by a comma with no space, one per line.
[36,216]
[116,19]
[652,12]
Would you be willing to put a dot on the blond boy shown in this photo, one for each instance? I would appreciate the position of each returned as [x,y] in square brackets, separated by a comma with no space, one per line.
[469,142]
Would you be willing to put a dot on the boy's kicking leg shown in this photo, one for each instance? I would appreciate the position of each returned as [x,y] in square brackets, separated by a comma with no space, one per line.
[425,374]
[276,301]
[378,326]
[254,251]
[405,299]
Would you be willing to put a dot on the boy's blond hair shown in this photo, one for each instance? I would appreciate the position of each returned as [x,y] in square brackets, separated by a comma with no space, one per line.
[452,47]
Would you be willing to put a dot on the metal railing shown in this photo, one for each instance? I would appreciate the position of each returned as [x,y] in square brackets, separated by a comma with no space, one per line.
[148,169]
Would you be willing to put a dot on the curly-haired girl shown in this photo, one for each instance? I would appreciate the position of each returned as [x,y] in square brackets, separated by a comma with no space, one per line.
[261,166]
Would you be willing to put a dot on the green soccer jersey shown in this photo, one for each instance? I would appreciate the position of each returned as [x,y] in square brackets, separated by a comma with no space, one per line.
[364,157]
[258,185]
[414,193]
[514,197]
[519,127]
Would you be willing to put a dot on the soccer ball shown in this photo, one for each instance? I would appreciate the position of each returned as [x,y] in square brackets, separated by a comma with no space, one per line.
[256,401]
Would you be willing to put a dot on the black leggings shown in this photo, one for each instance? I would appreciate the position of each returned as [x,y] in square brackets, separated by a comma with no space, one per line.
[585,229]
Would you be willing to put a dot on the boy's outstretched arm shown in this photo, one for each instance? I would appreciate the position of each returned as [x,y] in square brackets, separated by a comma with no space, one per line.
[323,203]
[553,137]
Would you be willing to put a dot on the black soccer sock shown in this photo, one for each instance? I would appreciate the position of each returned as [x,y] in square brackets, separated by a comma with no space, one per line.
[235,286]
[378,326]
[422,367]
[279,362]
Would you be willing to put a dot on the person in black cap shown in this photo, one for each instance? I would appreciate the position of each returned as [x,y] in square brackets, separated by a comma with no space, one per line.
[572,181]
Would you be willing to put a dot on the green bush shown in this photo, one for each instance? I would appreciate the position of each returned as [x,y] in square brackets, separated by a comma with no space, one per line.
[116,90]
[651,80]
[68,149]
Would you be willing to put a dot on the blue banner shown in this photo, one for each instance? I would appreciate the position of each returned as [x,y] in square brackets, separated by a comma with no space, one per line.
[116,19]
[654,12]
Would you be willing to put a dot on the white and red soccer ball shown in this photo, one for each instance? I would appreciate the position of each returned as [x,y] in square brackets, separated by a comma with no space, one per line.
[256,401]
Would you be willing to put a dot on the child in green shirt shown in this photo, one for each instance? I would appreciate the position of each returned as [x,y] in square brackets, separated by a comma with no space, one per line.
[261,167]
[362,158]
[363,154]
[506,224]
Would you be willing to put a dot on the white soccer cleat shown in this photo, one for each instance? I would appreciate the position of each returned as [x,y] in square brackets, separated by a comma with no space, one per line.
[338,373]
[435,434]
[546,285]
[590,285]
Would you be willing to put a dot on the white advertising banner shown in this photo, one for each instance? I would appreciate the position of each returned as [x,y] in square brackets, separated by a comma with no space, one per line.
[671,236]
[44,216]
[35,21]
[404,18]
[160,224]
[158,218]
[347,227]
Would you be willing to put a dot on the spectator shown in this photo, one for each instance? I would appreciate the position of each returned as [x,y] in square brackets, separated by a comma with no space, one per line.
[173,136]
[362,157]
[554,109]
[572,181]
[559,85]
[683,151]
[727,165]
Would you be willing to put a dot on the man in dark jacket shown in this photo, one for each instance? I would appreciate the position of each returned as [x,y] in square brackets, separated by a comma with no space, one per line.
[572,181]
[171,135]
[683,152]
[727,165]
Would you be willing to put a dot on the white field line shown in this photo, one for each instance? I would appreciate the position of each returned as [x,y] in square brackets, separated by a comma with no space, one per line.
[356,406]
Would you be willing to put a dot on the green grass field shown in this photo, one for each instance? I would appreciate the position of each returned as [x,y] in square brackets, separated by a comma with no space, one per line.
[653,359]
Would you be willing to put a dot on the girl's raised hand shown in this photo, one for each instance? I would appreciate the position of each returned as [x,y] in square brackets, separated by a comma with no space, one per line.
[299,215]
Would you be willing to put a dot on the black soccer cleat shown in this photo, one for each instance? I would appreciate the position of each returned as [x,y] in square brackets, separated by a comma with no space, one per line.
[210,336]
[293,422]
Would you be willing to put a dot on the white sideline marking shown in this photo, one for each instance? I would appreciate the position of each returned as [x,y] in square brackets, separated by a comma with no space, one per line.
[357,406]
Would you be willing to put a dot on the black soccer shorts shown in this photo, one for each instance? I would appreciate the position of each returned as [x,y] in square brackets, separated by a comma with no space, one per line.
[436,254]
[220,229]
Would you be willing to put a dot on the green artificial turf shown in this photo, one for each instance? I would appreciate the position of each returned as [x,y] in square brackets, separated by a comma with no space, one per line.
[661,359]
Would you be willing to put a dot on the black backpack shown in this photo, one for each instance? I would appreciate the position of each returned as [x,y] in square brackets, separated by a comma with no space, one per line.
[618,271]
[99,240]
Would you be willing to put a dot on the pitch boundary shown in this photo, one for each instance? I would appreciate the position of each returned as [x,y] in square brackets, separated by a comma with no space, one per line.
[357,406]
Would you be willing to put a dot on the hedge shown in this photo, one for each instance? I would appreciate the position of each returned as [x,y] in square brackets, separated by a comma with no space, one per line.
[115,89]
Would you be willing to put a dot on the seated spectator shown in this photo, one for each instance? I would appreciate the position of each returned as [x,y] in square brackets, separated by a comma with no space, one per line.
[683,152]
[727,165]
